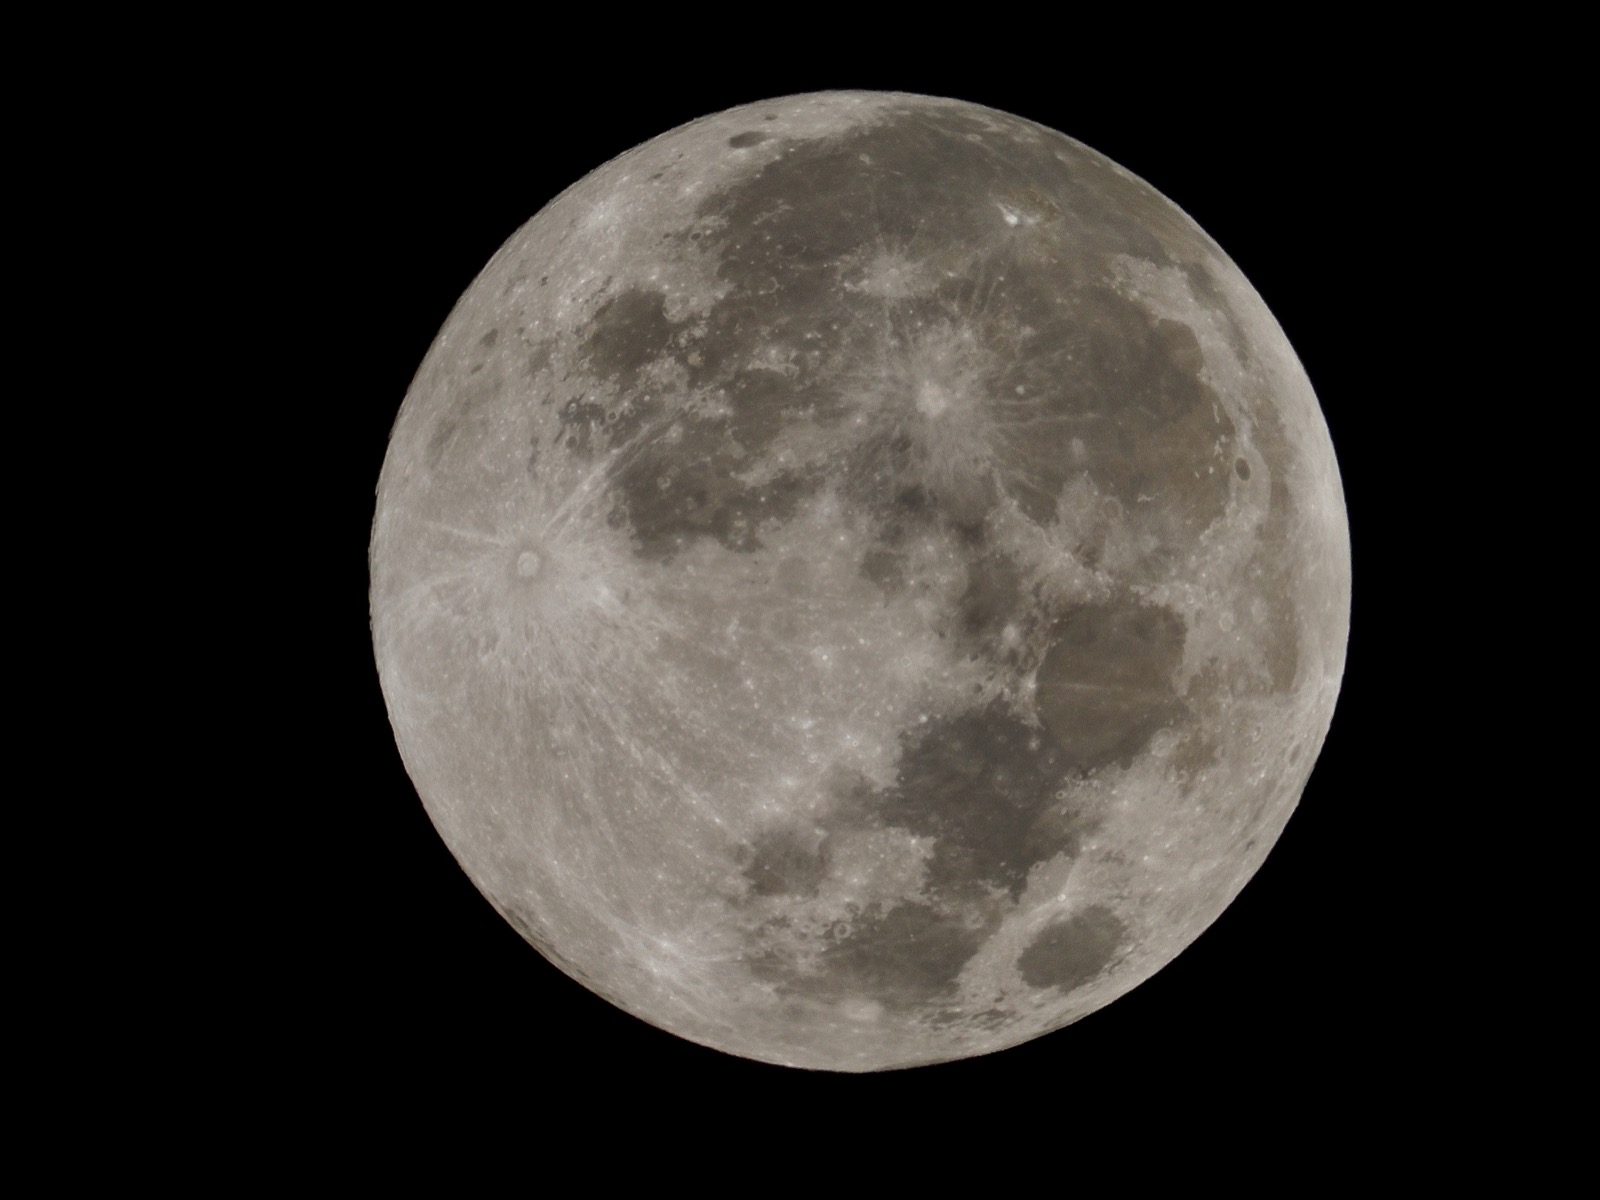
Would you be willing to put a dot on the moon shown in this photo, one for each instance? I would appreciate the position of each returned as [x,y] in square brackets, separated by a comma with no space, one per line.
[860,581]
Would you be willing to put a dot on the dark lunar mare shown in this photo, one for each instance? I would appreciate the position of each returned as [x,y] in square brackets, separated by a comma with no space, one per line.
[786,241]
[996,798]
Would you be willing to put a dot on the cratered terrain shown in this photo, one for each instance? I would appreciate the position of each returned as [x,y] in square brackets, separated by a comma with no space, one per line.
[860,580]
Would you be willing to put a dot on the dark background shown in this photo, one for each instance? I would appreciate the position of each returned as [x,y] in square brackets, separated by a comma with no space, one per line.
[380,192]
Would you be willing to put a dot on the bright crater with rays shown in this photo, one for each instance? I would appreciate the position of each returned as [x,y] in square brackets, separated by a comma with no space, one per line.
[860,581]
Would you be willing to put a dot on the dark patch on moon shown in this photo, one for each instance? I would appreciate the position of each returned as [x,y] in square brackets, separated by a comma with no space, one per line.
[905,177]
[912,184]
[691,486]
[671,500]
[462,420]
[992,600]
[1204,286]
[912,952]
[1241,468]
[786,863]
[1193,753]
[987,790]
[750,138]
[906,958]
[1068,954]
[979,784]
[1060,828]
[1149,442]
[578,425]
[628,331]
[444,432]
[1106,682]
[485,345]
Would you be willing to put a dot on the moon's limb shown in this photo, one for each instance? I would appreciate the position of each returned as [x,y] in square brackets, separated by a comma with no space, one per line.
[860,580]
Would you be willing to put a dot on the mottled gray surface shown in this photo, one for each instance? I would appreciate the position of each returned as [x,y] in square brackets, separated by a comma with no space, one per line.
[860,580]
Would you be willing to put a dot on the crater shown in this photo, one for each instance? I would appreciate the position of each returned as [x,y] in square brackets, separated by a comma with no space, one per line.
[740,141]
[577,423]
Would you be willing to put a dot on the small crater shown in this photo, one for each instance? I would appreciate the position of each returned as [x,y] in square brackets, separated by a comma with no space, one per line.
[1241,468]
[1070,953]
[741,141]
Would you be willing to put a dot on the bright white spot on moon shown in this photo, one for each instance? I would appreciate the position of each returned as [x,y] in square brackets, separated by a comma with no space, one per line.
[932,398]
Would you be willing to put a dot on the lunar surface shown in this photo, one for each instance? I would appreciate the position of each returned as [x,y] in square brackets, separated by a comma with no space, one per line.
[860,581]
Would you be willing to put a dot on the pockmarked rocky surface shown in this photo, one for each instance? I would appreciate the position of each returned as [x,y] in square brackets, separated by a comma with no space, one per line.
[860,580]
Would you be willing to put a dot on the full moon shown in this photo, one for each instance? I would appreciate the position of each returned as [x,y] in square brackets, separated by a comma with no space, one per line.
[860,581]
